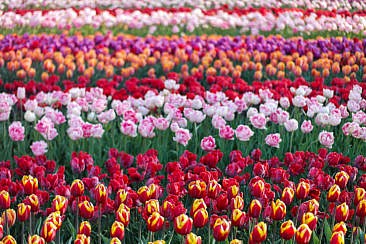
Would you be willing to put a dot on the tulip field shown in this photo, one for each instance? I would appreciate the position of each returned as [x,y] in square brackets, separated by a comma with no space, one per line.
[192,122]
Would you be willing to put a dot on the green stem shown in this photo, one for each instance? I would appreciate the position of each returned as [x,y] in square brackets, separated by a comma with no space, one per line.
[100,224]
[291,138]
[77,215]
[6,223]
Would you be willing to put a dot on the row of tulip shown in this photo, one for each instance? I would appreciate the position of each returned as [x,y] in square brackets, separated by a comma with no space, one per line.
[34,57]
[187,20]
[92,120]
[189,200]
[203,4]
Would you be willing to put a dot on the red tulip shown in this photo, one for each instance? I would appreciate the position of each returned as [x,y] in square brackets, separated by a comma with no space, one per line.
[303,234]
[115,240]
[4,199]
[360,194]
[33,201]
[278,210]
[155,222]
[221,229]
[341,212]
[11,216]
[30,184]
[197,189]
[23,212]
[259,232]
[341,226]
[118,230]
[55,218]
[191,238]
[287,195]
[9,240]
[123,214]
[214,189]
[77,188]
[197,204]
[255,208]
[36,239]
[237,202]
[361,209]
[86,209]
[287,230]
[85,228]
[82,239]
[310,219]
[341,179]
[200,218]
[59,203]
[337,238]
[183,224]
[238,217]
[302,190]
[257,188]
[333,193]
[48,231]
[100,193]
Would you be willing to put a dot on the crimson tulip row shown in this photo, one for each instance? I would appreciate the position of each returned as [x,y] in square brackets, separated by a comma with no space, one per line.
[190,199]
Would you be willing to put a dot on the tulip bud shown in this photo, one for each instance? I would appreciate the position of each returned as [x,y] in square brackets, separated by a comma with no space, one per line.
[155,222]
[337,238]
[4,199]
[341,179]
[341,226]
[36,239]
[214,188]
[115,240]
[183,224]
[257,188]
[333,193]
[238,217]
[360,194]
[221,229]
[197,204]
[191,238]
[310,219]
[48,231]
[278,210]
[82,239]
[59,203]
[118,230]
[85,228]
[33,201]
[100,193]
[197,189]
[259,232]
[86,209]
[9,240]
[30,184]
[288,195]
[361,209]
[255,208]
[302,190]
[77,188]
[341,212]
[23,212]
[200,218]
[303,234]
[287,230]
[123,214]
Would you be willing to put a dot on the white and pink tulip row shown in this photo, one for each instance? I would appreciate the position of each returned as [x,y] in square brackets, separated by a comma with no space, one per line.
[204,4]
[88,113]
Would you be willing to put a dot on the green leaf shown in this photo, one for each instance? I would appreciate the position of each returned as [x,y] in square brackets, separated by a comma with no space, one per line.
[361,236]
[327,231]
[315,239]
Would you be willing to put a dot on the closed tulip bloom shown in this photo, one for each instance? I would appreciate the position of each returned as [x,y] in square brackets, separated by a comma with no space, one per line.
[77,188]
[255,208]
[82,239]
[118,230]
[9,240]
[123,214]
[341,179]
[221,229]
[278,210]
[155,222]
[257,188]
[360,194]
[287,230]
[59,203]
[341,212]
[302,190]
[259,232]
[238,217]
[237,203]
[115,240]
[144,193]
[200,218]
[288,195]
[100,194]
[303,234]
[85,228]
[86,209]
[23,212]
[214,189]
[337,238]
[310,219]
[197,189]
[36,239]
[183,224]
[361,209]
[333,193]
[48,231]
[341,226]
[55,218]
[197,204]
[4,199]
[11,217]
[150,207]
[33,201]
[30,184]
[191,238]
